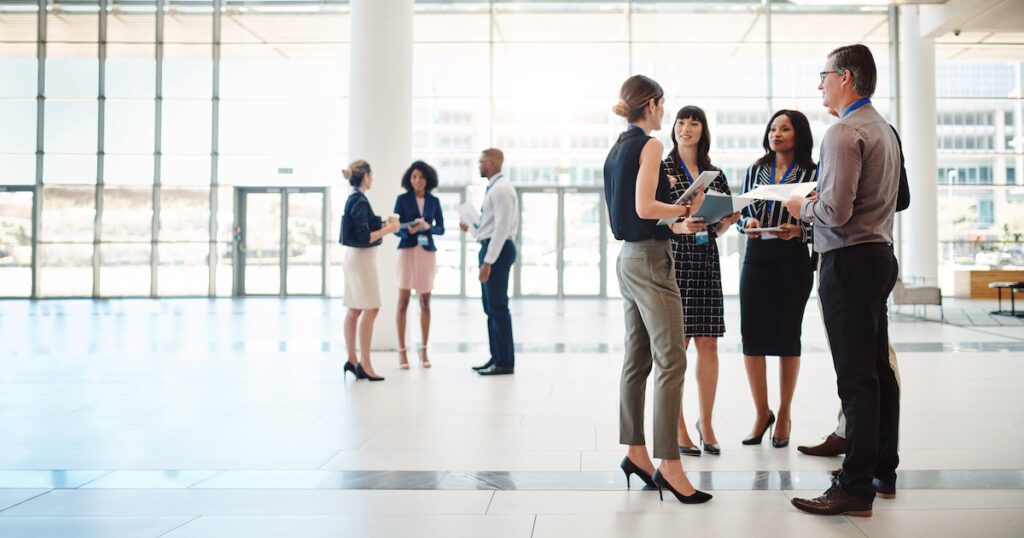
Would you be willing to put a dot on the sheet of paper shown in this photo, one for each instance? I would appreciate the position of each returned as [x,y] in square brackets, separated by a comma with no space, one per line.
[781,192]
[762,230]
[471,216]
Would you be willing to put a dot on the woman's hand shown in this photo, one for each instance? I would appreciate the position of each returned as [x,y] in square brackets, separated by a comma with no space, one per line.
[723,225]
[691,225]
[463,226]
[789,231]
[390,226]
[423,225]
[753,223]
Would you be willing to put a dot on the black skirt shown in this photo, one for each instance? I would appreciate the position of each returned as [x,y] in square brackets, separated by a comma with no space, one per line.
[774,286]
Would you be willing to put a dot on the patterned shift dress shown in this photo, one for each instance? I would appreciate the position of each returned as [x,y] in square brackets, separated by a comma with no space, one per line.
[698,272]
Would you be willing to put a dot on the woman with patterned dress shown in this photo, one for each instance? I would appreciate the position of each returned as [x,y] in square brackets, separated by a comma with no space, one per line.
[698,274]
[777,272]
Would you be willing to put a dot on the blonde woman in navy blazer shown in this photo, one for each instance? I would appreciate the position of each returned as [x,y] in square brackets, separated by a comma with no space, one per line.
[421,218]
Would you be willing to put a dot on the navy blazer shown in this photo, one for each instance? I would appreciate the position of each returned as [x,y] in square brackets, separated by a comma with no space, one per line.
[408,210]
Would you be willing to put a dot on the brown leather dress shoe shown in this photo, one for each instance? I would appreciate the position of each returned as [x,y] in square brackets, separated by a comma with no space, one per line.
[833,445]
[834,502]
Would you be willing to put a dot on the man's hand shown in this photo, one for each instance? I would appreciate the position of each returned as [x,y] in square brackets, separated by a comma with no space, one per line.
[793,205]
[464,226]
[789,231]
[485,272]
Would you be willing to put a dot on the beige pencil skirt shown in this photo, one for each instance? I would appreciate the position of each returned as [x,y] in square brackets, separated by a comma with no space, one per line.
[362,283]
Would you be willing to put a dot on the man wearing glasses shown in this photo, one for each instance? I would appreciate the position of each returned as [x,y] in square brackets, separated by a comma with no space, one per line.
[853,214]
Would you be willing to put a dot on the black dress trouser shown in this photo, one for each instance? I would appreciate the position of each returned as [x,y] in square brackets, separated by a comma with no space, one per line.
[854,285]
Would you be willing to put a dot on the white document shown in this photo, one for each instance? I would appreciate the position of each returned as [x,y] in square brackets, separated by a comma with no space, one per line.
[703,180]
[781,192]
[470,215]
[762,230]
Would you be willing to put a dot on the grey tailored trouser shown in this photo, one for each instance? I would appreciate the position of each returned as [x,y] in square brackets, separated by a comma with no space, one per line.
[654,336]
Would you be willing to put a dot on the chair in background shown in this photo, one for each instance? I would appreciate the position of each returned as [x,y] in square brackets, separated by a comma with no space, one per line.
[915,295]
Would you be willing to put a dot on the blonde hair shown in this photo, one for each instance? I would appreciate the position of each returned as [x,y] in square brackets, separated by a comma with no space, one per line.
[356,172]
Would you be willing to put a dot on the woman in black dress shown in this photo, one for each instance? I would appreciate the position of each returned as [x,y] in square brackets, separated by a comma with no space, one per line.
[777,272]
[698,273]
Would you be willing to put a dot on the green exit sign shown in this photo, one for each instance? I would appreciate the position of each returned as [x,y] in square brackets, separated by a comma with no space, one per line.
[284,170]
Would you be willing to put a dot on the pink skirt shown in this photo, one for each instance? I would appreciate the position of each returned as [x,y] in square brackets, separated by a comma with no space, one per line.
[416,268]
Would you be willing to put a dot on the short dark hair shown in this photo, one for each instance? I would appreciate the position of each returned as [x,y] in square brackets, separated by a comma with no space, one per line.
[803,142]
[704,143]
[857,59]
[425,169]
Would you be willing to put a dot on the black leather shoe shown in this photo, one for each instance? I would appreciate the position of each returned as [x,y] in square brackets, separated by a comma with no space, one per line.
[483,366]
[361,374]
[834,502]
[631,468]
[349,367]
[689,450]
[494,369]
[697,497]
[832,446]
[884,489]
[756,439]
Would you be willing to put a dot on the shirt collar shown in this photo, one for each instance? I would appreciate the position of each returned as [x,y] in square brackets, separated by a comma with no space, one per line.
[493,179]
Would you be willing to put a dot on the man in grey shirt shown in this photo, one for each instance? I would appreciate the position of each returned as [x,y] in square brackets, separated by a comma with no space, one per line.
[853,214]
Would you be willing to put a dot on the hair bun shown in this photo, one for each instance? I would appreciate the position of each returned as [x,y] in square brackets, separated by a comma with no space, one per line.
[347,173]
[621,108]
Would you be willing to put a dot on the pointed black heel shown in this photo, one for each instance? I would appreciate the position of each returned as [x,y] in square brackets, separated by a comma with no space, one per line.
[349,367]
[697,497]
[629,468]
[361,374]
[711,448]
[779,442]
[756,439]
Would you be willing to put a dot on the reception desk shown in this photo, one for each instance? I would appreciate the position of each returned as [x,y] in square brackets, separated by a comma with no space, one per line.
[974,284]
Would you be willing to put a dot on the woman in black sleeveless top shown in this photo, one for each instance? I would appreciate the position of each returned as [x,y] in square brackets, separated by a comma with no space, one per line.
[636,190]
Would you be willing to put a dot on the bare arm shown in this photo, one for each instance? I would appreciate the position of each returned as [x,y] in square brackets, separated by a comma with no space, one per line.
[647,206]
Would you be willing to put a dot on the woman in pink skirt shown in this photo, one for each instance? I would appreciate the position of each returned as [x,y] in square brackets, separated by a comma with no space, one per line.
[419,213]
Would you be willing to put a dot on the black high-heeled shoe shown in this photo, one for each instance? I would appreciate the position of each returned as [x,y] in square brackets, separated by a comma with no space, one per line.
[629,468]
[361,374]
[782,443]
[713,449]
[756,439]
[349,367]
[696,497]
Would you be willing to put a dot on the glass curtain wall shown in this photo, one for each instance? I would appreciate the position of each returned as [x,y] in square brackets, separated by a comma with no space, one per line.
[127,125]
[981,155]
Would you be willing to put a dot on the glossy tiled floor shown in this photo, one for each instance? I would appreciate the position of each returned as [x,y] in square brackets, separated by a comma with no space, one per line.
[231,418]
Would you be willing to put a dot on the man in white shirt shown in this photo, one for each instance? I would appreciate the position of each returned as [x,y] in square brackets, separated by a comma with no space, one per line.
[499,222]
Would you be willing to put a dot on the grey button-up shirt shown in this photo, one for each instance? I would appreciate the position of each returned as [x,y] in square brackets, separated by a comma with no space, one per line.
[858,178]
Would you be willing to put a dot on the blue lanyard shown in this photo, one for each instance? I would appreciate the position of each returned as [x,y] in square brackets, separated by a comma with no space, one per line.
[771,203]
[855,106]
[687,172]
[360,193]
[631,126]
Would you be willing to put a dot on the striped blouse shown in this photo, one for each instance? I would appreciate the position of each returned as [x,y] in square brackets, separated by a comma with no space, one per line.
[770,213]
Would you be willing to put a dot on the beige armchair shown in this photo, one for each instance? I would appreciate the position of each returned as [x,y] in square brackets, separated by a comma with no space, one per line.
[917,295]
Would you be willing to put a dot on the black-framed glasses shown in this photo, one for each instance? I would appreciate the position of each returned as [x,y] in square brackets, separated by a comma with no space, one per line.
[824,74]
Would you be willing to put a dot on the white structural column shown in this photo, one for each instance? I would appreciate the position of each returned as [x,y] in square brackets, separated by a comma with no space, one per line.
[380,126]
[920,247]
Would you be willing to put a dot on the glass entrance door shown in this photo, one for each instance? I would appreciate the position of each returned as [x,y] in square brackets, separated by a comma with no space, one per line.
[279,241]
[17,205]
